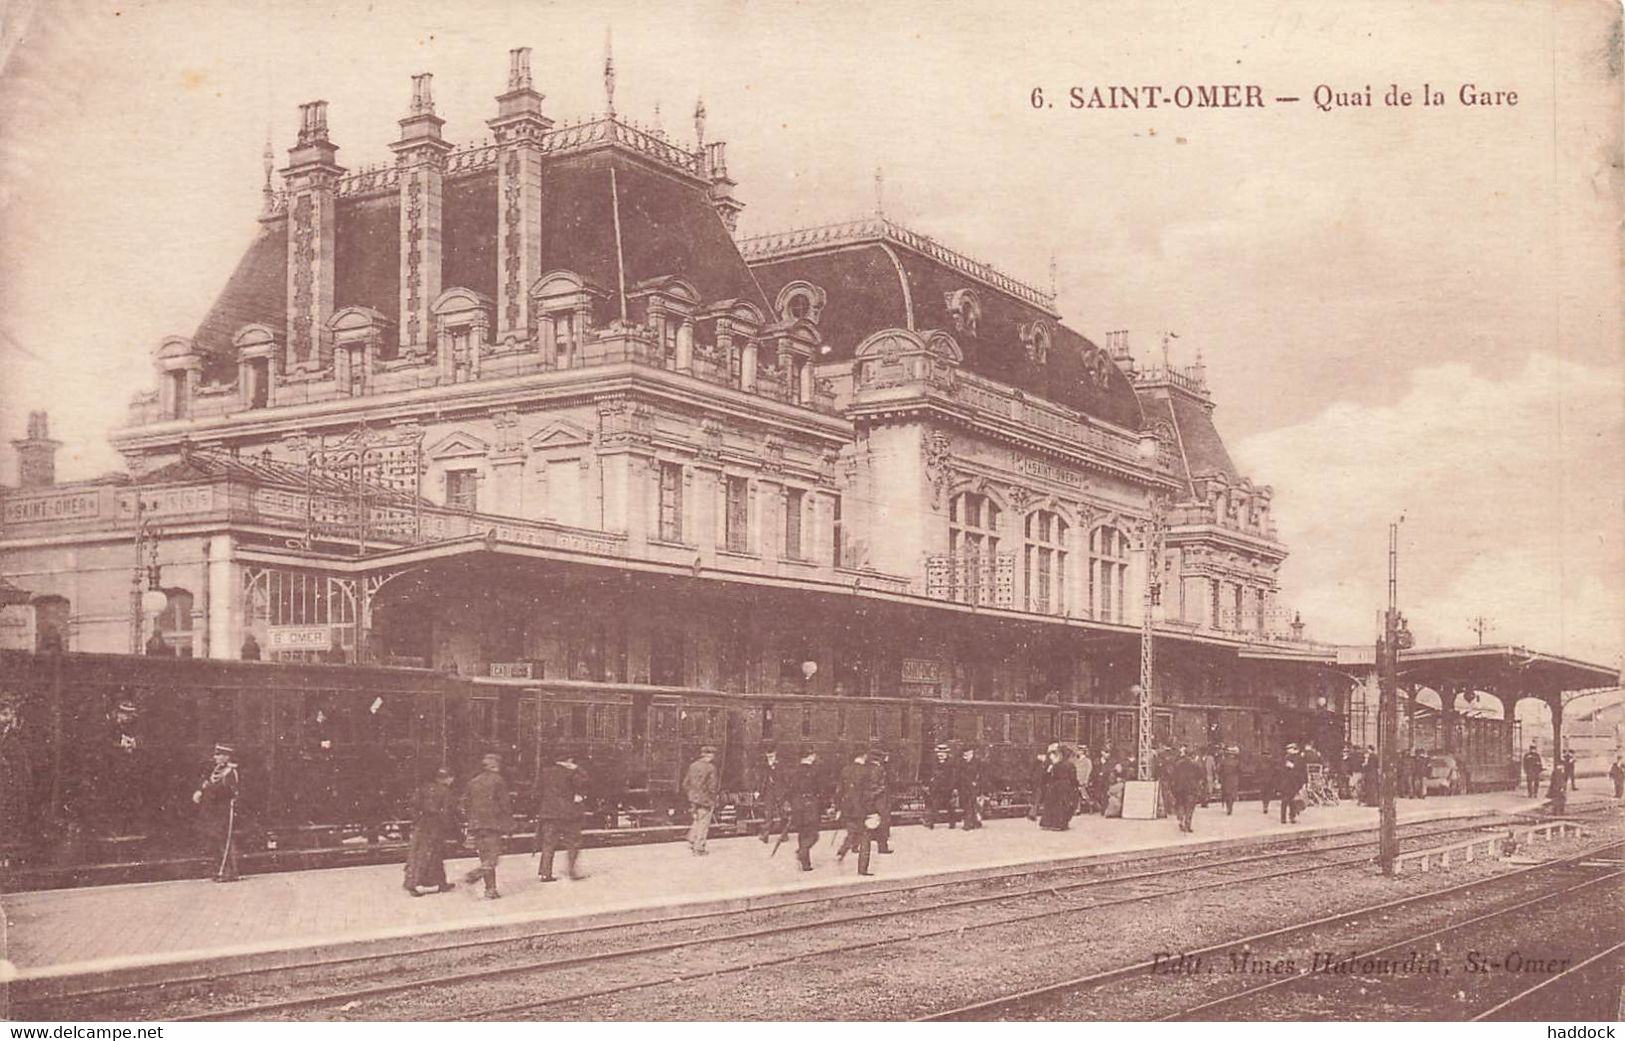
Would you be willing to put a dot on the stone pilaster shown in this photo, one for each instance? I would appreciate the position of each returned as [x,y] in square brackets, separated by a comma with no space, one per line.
[518,130]
[420,155]
[312,178]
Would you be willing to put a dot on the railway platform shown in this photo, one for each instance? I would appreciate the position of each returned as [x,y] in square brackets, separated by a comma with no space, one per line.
[70,940]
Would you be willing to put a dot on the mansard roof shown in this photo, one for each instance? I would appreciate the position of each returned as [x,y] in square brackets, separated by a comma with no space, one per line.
[1199,449]
[879,276]
[667,227]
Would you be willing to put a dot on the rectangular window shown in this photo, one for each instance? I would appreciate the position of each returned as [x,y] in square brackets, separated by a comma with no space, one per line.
[463,489]
[564,337]
[793,499]
[671,502]
[737,519]
[177,395]
[259,378]
[835,531]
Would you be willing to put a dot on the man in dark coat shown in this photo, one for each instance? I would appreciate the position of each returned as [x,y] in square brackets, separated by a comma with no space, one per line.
[1183,780]
[1616,773]
[217,796]
[433,823]
[1060,793]
[1558,790]
[1422,767]
[939,789]
[1533,767]
[969,784]
[1268,779]
[770,792]
[489,813]
[1229,778]
[1570,774]
[806,805]
[858,799]
[558,816]
[1293,775]
[1370,777]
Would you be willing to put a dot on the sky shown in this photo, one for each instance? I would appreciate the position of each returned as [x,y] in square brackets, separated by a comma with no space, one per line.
[1404,311]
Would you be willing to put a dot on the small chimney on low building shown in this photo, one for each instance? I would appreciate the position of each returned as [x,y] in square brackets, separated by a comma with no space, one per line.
[36,454]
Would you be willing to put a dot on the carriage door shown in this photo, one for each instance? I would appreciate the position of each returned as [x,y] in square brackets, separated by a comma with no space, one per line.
[664,765]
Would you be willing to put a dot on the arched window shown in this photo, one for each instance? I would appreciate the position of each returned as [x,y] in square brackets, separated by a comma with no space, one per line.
[1044,562]
[973,543]
[1108,573]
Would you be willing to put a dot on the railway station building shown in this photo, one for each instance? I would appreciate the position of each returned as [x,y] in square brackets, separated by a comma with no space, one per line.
[531,411]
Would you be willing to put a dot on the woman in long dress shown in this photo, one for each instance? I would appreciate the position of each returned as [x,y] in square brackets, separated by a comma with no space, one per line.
[433,821]
[1060,793]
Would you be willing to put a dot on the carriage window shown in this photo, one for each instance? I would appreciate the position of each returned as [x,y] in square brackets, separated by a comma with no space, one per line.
[906,724]
[840,721]
[767,722]
[713,723]
[806,721]
[485,719]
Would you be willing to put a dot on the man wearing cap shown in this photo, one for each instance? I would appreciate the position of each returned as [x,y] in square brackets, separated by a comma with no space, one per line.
[969,784]
[124,799]
[770,794]
[1292,778]
[806,805]
[558,819]
[489,813]
[939,790]
[433,816]
[217,796]
[701,786]
[1533,767]
[858,799]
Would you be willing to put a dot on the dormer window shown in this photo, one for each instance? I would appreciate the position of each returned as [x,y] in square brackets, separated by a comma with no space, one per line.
[800,301]
[463,319]
[256,347]
[966,308]
[562,303]
[1035,337]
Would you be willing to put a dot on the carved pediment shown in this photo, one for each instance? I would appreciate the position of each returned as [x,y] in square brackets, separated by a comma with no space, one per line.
[559,434]
[459,443]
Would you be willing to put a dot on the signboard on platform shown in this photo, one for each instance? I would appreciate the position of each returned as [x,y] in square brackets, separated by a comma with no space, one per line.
[301,638]
[1359,654]
[921,670]
[1142,800]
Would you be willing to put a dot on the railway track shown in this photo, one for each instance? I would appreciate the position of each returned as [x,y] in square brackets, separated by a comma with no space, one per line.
[1286,995]
[442,992]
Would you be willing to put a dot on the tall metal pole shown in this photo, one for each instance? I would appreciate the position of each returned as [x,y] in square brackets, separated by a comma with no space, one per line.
[1149,599]
[1388,714]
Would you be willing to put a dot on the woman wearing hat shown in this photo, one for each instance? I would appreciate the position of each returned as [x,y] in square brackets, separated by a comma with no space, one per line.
[433,822]
[217,796]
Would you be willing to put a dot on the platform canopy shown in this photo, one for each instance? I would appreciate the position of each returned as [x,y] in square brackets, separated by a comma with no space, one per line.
[1502,668]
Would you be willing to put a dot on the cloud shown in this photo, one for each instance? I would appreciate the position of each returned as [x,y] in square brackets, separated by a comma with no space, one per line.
[1511,493]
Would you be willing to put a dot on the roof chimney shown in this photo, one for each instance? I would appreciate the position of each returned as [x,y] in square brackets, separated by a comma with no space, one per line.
[36,454]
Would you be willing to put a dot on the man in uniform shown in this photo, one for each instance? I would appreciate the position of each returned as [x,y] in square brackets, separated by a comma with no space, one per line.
[217,796]
[969,784]
[558,818]
[701,786]
[126,795]
[489,813]
[1533,767]
[433,820]
[857,798]
[939,790]
[1570,774]
[1184,779]
[1292,777]
[806,806]
[770,795]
